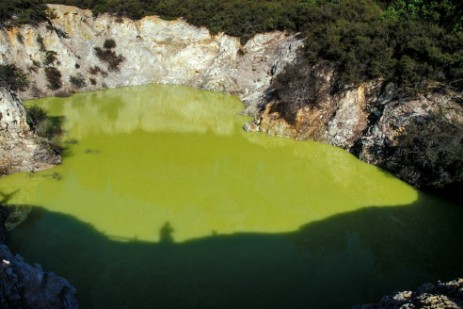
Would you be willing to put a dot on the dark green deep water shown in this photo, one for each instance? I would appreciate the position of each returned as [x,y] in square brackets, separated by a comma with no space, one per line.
[165,202]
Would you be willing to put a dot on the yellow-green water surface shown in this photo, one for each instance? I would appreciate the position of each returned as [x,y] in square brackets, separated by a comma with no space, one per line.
[163,201]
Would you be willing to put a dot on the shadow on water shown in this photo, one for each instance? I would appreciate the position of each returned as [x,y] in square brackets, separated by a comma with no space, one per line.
[346,259]
[166,234]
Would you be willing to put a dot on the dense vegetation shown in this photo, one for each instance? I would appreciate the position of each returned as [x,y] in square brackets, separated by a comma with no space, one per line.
[14,12]
[410,42]
[430,154]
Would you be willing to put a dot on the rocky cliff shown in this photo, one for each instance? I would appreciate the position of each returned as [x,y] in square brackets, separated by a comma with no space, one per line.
[417,138]
[77,51]
[20,150]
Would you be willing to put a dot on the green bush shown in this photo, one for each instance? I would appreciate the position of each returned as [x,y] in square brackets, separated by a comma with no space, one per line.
[46,126]
[54,78]
[17,12]
[78,81]
[50,57]
[295,87]
[35,115]
[110,58]
[13,78]
[109,44]
[429,153]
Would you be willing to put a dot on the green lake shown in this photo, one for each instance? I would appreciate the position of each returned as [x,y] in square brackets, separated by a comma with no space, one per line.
[163,201]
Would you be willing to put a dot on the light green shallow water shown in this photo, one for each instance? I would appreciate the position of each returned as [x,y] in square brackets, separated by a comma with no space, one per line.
[252,215]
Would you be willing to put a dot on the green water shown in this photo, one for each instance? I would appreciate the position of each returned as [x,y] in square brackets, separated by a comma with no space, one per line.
[165,202]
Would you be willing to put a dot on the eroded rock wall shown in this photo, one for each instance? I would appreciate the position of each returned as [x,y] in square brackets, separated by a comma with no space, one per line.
[20,150]
[419,139]
[68,54]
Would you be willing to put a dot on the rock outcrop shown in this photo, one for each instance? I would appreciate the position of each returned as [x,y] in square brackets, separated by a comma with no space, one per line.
[419,139]
[20,150]
[429,296]
[25,286]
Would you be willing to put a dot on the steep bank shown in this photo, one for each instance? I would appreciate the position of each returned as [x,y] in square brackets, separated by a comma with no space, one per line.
[419,139]
[20,150]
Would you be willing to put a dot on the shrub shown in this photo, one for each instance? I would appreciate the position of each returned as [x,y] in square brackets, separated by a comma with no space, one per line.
[46,126]
[42,123]
[109,44]
[78,81]
[41,44]
[298,85]
[96,69]
[13,78]
[110,58]
[19,12]
[35,115]
[430,152]
[54,78]
[50,57]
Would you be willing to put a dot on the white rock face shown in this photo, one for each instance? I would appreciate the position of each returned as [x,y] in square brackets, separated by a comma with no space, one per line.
[12,115]
[155,51]
[19,149]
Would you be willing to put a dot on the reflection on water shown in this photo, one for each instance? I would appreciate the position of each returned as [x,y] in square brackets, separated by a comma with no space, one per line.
[144,108]
[163,200]
[153,154]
